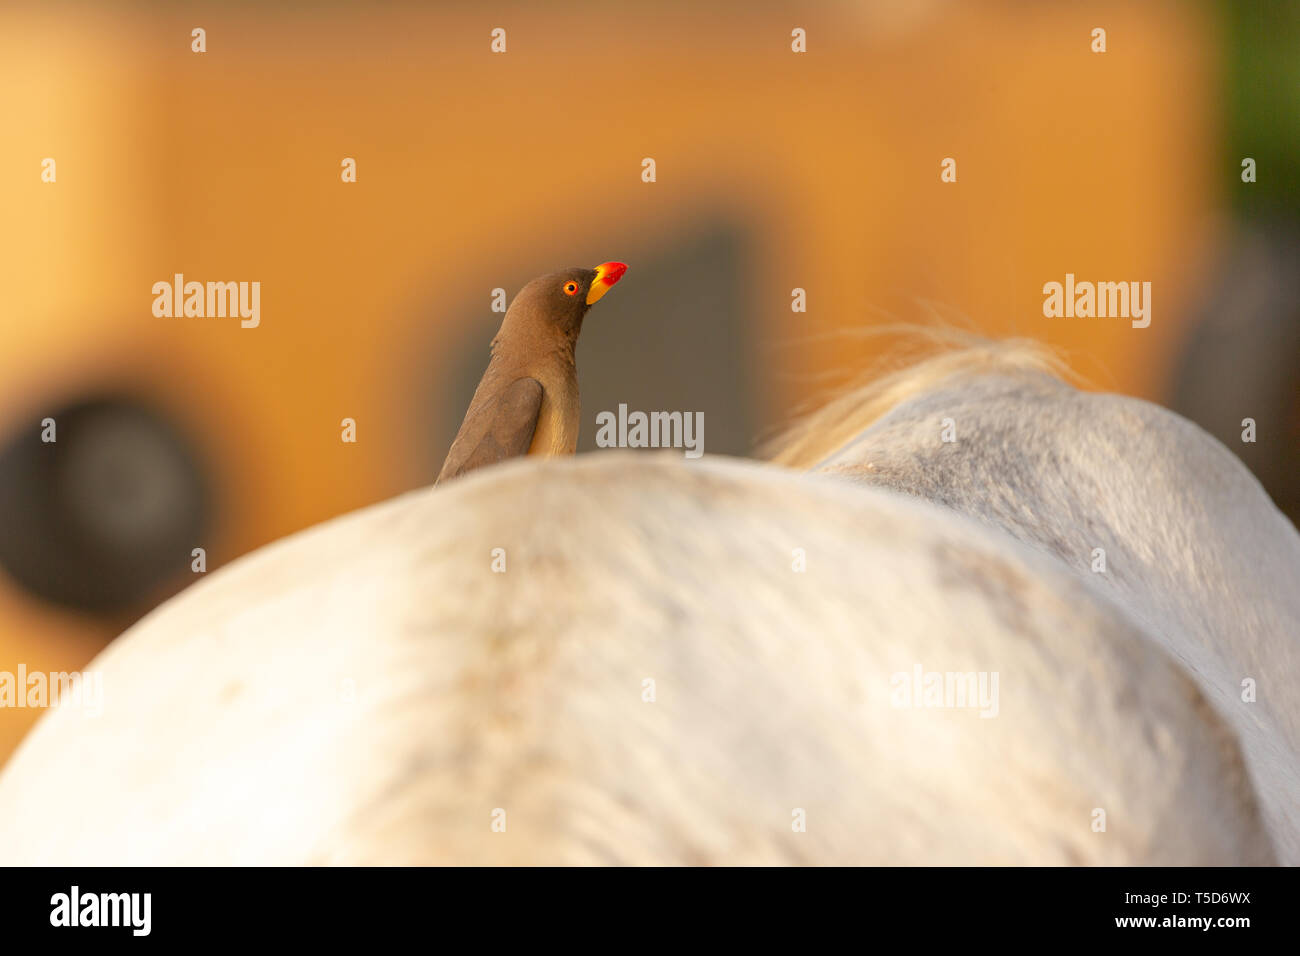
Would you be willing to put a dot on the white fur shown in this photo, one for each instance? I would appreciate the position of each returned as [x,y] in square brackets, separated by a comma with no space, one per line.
[228,735]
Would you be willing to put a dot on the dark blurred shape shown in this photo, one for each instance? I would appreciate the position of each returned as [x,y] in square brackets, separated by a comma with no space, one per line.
[681,340]
[1242,360]
[103,517]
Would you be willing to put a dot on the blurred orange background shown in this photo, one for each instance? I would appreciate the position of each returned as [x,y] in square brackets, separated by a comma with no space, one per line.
[478,170]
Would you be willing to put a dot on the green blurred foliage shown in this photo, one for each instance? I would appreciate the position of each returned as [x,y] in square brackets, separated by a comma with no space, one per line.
[1262,103]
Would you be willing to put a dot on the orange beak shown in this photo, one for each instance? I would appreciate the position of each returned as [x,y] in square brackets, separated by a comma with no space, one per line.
[607,273]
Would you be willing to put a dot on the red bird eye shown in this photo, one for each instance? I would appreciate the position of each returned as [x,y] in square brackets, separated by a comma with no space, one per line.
[570,288]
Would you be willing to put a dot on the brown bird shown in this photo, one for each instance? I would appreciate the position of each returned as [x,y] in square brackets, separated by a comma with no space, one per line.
[527,400]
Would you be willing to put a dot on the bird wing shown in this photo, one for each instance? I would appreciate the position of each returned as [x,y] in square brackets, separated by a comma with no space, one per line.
[500,429]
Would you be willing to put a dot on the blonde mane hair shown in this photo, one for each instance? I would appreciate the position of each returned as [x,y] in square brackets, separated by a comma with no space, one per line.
[924,357]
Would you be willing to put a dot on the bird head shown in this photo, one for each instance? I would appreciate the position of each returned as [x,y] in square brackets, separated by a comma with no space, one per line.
[563,298]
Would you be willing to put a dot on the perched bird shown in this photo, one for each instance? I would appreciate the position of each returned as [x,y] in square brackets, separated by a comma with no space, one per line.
[527,400]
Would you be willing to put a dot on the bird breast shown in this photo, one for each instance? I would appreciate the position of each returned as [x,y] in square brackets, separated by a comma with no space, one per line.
[558,420]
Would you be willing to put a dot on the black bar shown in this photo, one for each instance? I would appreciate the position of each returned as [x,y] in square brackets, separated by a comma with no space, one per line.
[568,906]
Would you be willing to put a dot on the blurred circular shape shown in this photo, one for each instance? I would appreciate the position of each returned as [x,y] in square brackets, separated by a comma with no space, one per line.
[102,517]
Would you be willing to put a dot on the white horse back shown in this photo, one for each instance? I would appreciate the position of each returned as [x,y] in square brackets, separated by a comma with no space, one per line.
[653,679]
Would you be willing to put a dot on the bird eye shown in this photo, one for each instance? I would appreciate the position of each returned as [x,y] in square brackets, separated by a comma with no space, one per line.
[570,288]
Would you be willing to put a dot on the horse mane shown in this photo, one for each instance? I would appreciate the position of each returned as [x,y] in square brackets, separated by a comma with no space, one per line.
[923,357]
